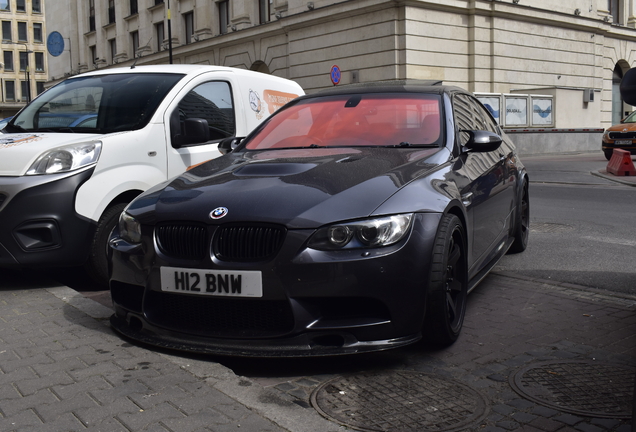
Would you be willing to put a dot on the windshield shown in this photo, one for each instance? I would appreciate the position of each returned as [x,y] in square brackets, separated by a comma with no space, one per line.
[630,118]
[96,104]
[387,120]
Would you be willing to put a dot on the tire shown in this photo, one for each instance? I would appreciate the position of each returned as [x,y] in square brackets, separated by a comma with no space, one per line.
[97,264]
[608,154]
[522,222]
[448,283]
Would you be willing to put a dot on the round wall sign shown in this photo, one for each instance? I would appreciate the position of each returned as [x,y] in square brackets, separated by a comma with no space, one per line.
[335,75]
[55,44]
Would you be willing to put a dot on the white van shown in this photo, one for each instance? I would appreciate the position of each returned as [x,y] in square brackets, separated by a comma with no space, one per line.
[73,158]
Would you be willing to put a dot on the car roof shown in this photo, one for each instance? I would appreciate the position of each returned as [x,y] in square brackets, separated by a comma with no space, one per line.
[183,69]
[390,86]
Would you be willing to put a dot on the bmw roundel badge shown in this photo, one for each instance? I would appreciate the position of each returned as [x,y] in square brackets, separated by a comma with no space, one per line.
[218,212]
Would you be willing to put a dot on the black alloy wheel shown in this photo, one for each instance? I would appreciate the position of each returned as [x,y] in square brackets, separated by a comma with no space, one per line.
[448,286]
[521,231]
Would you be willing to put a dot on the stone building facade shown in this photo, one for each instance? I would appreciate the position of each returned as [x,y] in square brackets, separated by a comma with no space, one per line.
[23,72]
[567,48]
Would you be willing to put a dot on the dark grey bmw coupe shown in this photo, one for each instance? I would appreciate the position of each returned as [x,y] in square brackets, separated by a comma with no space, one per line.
[352,220]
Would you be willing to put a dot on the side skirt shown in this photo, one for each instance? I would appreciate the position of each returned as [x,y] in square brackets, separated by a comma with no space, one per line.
[503,248]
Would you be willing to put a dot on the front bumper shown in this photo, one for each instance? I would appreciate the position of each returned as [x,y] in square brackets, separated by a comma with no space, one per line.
[314,303]
[39,224]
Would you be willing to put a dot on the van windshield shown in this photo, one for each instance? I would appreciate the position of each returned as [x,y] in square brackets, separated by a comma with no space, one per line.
[96,104]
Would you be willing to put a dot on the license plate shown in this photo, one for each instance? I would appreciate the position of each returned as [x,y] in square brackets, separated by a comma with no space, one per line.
[623,142]
[242,283]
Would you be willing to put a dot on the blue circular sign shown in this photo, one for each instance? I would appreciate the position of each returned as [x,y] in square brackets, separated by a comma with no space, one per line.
[55,44]
[335,75]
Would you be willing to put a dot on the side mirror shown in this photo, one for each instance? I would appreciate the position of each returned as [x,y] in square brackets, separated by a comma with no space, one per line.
[228,144]
[628,87]
[482,141]
[189,131]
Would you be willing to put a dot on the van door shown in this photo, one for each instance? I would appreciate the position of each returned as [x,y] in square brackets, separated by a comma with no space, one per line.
[201,117]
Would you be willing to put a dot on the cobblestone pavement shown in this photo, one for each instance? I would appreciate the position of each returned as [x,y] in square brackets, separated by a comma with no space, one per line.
[63,369]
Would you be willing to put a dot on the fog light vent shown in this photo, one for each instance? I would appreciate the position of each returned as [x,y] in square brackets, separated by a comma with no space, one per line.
[36,235]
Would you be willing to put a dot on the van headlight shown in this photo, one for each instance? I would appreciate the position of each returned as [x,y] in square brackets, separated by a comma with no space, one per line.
[67,158]
[370,233]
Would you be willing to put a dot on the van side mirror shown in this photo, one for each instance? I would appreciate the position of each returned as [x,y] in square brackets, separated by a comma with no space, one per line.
[228,144]
[482,141]
[188,131]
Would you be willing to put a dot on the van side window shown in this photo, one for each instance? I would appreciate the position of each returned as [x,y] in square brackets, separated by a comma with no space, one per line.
[212,102]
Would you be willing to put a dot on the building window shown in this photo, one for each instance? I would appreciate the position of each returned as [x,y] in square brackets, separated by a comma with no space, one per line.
[37,32]
[22,31]
[111,11]
[113,50]
[263,11]
[614,7]
[6,31]
[39,62]
[159,31]
[5,5]
[8,61]
[188,20]
[134,39]
[158,2]
[39,87]
[91,15]
[24,90]
[9,90]
[133,7]
[36,6]
[24,60]
[20,5]
[224,15]
[92,50]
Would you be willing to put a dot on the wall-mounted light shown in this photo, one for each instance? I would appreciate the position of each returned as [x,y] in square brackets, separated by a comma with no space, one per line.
[310,5]
[234,28]
[577,11]
[195,38]
[608,18]
[278,15]
[515,1]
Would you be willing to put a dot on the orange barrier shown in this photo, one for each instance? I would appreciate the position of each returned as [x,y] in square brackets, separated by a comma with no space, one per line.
[621,164]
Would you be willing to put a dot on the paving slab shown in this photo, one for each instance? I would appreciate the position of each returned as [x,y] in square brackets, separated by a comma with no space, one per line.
[63,369]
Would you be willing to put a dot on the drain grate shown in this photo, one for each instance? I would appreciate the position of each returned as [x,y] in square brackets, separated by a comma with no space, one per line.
[399,400]
[550,228]
[578,387]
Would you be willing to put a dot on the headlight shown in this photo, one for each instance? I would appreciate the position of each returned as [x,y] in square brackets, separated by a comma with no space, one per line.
[369,233]
[67,158]
[129,228]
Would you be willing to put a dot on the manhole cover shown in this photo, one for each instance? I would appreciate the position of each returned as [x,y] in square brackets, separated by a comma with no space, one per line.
[550,228]
[579,387]
[399,400]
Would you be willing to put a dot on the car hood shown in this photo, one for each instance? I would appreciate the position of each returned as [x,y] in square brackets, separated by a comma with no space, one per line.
[622,127]
[300,188]
[18,151]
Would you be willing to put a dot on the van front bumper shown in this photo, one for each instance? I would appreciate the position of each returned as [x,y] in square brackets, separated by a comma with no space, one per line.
[38,222]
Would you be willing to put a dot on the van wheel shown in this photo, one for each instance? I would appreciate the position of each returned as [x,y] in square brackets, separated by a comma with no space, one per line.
[608,154]
[448,284]
[97,264]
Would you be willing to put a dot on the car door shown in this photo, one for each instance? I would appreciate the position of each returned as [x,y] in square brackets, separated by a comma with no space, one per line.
[211,101]
[482,181]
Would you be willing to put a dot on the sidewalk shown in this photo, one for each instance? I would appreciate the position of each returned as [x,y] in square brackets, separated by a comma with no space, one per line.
[63,369]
